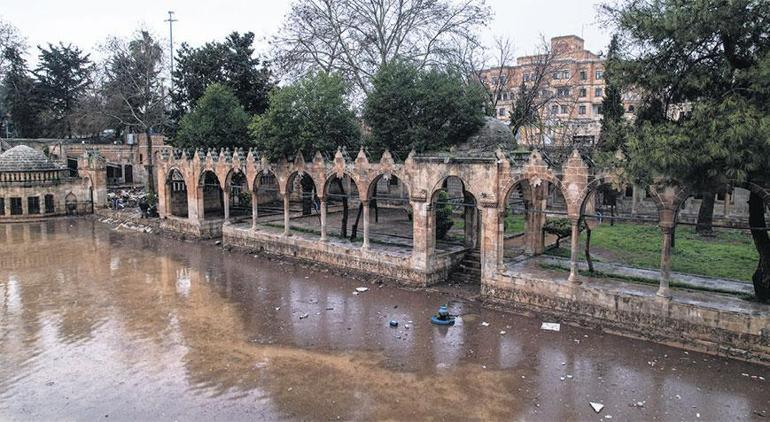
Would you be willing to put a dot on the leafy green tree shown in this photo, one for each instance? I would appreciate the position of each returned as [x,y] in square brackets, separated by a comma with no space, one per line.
[20,96]
[217,121]
[230,63]
[63,76]
[424,110]
[704,66]
[309,115]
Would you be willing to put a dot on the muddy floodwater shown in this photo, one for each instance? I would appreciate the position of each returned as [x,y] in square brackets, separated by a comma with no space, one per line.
[97,323]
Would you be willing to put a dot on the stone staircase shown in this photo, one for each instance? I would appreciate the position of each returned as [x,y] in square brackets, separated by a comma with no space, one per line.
[469,269]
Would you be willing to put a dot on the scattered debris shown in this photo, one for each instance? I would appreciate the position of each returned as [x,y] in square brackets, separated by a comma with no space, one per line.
[550,326]
[569,377]
[640,403]
[303,316]
[485,324]
[596,406]
[562,378]
[608,417]
[361,289]
[393,323]
[277,308]
[329,308]
[502,333]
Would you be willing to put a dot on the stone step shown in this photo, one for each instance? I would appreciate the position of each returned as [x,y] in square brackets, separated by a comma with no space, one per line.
[469,270]
[471,263]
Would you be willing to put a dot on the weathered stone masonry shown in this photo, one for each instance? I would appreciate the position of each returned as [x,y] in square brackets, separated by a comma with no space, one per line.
[697,320]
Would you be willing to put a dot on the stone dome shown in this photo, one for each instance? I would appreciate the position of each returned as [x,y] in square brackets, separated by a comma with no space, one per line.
[22,158]
[491,135]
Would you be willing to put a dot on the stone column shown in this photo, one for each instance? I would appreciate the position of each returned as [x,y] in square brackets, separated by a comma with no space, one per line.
[424,237]
[365,211]
[323,219]
[574,245]
[254,210]
[665,261]
[286,227]
[226,204]
[535,219]
[490,246]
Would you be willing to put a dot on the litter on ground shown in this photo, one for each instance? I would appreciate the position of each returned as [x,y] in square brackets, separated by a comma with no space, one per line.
[596,406]
[550,326]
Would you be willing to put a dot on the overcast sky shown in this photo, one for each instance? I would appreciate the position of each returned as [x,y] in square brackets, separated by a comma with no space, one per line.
[87,23]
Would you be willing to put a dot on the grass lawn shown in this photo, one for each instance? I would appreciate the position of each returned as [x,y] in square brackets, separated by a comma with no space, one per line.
[731,254]
[514,224]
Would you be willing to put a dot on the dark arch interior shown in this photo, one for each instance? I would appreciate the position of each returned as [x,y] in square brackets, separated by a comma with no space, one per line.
[177,194]
[213,201]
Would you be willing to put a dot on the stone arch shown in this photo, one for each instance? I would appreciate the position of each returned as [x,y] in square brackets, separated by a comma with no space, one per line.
[210,193]
[238,193]
[71,204]
[176,193]
[290,180]
[330,176]
[594,186]
[470,206]
[399,176]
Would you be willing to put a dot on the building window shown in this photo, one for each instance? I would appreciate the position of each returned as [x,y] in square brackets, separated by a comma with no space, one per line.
[501,112]
[33,205]
[599,109]
[562,92]
[2,206]
[49,206]
[526,77]
[582,109]
[564,109]
[629,191]
[631,109]
[583,92]
[16,206]
[565,74]
[599,74]
[556,75]
[597,92]
[583,75]
[554,109]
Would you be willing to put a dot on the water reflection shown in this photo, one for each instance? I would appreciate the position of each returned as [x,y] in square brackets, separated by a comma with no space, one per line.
[98,322]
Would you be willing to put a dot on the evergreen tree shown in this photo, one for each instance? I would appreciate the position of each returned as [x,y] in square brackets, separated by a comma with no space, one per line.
[217,121]
[63,75]
[704,66]
[424,110]
[20,96]
[612,105]
[230,63]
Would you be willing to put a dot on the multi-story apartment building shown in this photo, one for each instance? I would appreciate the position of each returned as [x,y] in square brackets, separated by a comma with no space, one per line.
[567,88]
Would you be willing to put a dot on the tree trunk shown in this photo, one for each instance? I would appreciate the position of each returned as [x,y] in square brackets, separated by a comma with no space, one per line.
[761,278]
[148,163]
[344,228]
[354,229]
[704,226]
[588,250]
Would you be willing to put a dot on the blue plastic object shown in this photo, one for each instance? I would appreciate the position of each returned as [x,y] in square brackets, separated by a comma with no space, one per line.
[449,321]
[394,323]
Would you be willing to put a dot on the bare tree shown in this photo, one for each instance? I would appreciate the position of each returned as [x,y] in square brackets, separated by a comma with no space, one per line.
[488,66]
[545,102]
[136,97]
[356,37]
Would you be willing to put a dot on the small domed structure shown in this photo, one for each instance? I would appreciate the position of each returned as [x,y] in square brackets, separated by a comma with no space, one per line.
[491,135]
[32,186]
[22,158]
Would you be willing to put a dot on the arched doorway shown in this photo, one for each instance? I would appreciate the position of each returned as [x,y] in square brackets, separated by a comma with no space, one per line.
[343,207]
[390,215]
[456,229]
[301,203]
[267,205]
[239,196]
[71,204]
[176,191]
[212,195]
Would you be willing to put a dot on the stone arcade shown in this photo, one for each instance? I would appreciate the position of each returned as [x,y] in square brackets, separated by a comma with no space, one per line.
[195,198]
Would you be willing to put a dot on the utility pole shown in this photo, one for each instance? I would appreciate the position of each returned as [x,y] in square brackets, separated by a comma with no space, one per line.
[171,21]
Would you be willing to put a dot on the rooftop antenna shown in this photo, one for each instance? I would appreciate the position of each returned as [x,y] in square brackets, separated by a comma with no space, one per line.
[171,21]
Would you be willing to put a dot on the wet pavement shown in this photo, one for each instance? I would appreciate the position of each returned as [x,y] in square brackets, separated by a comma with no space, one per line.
[96,323]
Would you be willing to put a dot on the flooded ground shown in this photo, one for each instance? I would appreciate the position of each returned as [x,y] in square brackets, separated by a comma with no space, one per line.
[100,324]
